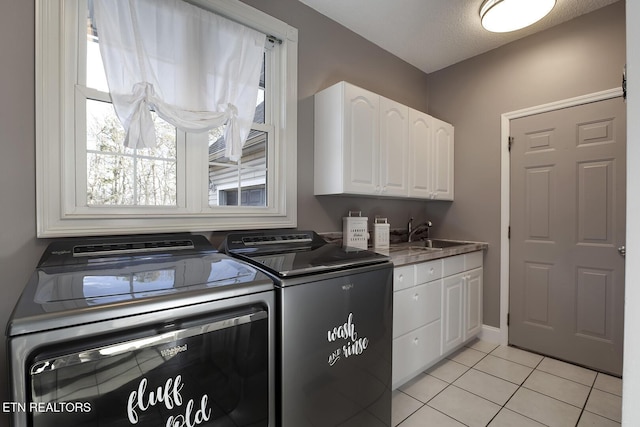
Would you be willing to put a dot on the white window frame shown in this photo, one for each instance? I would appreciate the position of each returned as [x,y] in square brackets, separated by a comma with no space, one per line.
[57,136]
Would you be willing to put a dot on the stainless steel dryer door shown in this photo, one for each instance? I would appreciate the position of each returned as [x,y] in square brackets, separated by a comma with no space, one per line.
[336,349]
[206,372]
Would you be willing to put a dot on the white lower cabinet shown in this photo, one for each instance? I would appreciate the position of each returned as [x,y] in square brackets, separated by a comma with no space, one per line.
[413,352]
[452,304]
[473,305]
[415,307]
[437,307]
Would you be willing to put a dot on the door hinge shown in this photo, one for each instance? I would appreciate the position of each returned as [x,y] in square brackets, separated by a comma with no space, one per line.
[624,82]
[508,318]
[510,143]
[509,232]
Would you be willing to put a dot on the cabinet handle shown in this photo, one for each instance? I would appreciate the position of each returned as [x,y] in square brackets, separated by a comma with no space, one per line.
[415,297]
[431,271]
[415,341]
[400,277]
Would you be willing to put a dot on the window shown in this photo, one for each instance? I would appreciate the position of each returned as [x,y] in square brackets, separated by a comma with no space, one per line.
[88,182]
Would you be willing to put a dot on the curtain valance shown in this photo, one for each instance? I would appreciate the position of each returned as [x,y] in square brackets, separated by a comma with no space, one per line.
[195,69]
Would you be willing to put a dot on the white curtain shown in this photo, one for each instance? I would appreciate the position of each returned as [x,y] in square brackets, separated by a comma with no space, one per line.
[195,69]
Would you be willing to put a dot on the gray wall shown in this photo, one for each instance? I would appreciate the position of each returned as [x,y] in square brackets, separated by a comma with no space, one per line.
[581,56]
[19,248]
[329,53]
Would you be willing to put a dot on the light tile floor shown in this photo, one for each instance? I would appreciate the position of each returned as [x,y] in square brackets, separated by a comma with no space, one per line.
[487,385]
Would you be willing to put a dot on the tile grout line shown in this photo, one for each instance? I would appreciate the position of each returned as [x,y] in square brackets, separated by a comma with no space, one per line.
[587,399]
[585,404]
[409,416]
[513,394]
[519,386]
[582,407]
[445,414]
[449,384]
[481,397]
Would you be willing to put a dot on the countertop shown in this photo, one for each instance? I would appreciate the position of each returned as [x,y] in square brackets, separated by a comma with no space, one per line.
[408,253]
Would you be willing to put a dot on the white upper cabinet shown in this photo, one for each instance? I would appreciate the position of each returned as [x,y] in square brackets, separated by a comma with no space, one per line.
[357,138]
[442,163]
[420,154]
[360,143]
[366,144]
[394,134]
[430,157]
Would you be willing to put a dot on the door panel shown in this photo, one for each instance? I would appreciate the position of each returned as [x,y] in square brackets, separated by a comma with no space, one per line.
[394,137]
[443,165]
[473,303]
[362,132]
[420,149]
[567,221]
[452,326]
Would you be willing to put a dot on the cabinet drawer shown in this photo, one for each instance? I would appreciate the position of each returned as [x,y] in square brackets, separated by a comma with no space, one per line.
[452,265]
[415,307]
[403,277]
[414,351]
[428,271]
[473,260]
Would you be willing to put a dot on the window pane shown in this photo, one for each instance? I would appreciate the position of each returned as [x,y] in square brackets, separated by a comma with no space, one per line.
[156,182]
[104,131]
[259,116]
[243,183]
[109,179]
[96,77]
[117,175]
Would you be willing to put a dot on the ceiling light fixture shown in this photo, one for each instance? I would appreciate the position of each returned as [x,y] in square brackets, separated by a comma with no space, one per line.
[502,16]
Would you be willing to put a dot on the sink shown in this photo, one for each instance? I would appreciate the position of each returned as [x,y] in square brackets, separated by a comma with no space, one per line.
[440,243]
[428,244]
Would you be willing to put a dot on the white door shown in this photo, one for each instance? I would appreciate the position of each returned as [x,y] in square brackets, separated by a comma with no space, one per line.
[567,222]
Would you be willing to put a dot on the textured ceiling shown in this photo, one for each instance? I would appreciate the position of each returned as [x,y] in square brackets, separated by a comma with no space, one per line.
[433,34]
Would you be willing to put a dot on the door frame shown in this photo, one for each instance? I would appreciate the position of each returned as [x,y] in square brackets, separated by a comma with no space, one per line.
[501,334]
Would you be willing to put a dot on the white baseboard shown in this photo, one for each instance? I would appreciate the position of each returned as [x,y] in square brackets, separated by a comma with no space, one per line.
[491,334]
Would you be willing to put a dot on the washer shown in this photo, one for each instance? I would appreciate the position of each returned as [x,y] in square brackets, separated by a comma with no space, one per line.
[145,331]
[335,310]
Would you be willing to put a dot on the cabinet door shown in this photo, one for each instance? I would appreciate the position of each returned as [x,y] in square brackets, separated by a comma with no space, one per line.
[394,141]
[413,352]
[403,277]
[420,154]
[452,312]
[442,160]
[361,140]
[473,303]
[416,307]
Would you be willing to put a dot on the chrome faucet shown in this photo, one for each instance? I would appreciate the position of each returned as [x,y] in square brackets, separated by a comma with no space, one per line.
[411,232]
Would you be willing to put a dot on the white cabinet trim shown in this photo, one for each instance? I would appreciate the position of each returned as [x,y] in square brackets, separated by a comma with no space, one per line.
[376,151]
[412,284]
